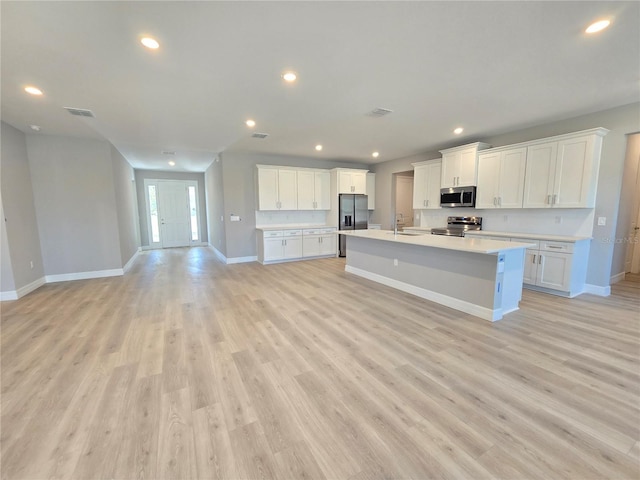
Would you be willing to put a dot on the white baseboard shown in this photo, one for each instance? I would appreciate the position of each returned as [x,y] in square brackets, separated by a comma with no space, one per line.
[466,307]
[66,277]
[22,291]
[241,260]
[129,264]
[617,278]
[8,295]
[218,254]
[597,290]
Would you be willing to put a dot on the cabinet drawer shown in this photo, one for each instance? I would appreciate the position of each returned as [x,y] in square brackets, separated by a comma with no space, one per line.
[272,233]
[327,230]
[292,233]
[560,247]
[528,240]
[312,231]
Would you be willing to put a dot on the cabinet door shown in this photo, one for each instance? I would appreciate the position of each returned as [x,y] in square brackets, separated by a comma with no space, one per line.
[511,184]
[573,172]
[359,182]
[450,169]
[273,249]
[468,167]
[288,189]
[311,246]
[293,247]
[328,244]
[344,182]
[420,187]
[539,175]
[434,172]
[371,190]
[268,189]
[530,266]
[322,189]
[488,180]
[306,189]
[554,270]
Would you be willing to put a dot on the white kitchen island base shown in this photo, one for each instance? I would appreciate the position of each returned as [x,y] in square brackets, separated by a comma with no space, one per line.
[478,277]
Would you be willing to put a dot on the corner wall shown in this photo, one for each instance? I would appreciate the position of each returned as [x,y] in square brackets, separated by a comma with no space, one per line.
[215,206]
[21,227]
[126,206]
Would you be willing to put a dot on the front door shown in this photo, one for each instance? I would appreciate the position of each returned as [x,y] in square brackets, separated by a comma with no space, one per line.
[173,207]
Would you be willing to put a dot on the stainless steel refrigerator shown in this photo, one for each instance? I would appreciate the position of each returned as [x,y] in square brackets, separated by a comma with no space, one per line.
[353,215]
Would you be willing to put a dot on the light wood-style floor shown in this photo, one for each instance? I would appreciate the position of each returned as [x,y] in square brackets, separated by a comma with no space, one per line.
[188,368]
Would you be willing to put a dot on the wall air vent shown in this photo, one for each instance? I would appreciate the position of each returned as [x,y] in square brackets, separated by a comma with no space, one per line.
[80,112]
[259,135]
[379,112]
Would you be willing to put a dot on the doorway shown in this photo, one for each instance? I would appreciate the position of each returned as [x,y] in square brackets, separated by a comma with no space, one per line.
[173,213]
[632,220]
[403,199]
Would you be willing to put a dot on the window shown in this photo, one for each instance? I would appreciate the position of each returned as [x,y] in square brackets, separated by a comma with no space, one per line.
[153,210]
[193,211]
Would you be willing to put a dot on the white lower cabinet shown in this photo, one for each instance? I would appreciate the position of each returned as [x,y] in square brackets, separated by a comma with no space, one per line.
[549,265]
[295,244]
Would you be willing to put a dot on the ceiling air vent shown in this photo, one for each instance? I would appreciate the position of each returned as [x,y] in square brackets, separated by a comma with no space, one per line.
[80,112]
[379,112]
[167,152]
[259,135]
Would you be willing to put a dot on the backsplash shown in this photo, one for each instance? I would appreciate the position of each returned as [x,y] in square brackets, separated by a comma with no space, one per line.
[558,221]
[291,217]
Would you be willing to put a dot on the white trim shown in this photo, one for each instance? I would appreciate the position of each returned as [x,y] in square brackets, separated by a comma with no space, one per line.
[218,254]
[129,264]
[67,277]
[597,290]
[7,296]
[617,278]
[22,291]
[466,307]
[241,260]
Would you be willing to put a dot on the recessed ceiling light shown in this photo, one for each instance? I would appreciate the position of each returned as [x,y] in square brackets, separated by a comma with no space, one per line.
[35,128]
[250,123]
[598,26]
[458,130]
[289,77]
[149,42]
[33,90]
[172,163]
[318,147]
[375,154]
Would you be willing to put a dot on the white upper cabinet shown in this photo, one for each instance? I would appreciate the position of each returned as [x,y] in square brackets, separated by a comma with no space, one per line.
[564,173]
[277,189]
[460,165]
[371,190]
[426,184]
[352,181]
[501,174]
[313,190]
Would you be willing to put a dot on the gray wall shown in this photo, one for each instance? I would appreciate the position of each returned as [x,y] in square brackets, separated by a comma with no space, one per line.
[75,204]
[215,206]
[19,209]
[628,195]
[6,272]
[238,171]
[126,206]
[620,121]
[162,175]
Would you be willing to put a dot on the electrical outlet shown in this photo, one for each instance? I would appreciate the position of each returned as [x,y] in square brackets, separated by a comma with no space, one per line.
[602,221]
[31,263]
[395,262]
[222,218]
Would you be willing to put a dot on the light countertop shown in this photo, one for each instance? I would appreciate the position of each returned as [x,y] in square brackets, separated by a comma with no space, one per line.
[271,228]
[474,245]
[532,236]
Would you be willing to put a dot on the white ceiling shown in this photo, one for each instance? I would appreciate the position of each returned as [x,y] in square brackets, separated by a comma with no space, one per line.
[490,67]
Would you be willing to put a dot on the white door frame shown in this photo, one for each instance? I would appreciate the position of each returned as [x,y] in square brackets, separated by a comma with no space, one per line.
[157,182]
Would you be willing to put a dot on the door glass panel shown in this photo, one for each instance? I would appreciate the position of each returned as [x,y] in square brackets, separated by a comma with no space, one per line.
[194,213]
[153,210]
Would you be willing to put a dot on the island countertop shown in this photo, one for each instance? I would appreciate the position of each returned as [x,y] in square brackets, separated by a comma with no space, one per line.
[461,244]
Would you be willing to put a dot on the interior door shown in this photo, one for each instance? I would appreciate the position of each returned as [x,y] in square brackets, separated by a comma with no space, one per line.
[173,206]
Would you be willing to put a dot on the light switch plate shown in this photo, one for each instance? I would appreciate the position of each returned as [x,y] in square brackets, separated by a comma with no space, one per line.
[602,221]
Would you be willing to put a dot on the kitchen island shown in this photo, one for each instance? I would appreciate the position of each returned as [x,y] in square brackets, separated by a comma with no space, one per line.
[476,276]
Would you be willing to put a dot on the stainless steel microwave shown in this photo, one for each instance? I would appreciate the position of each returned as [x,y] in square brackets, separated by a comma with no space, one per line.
[458,197]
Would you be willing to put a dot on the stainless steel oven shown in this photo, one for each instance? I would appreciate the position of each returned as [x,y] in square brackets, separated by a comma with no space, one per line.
[458,197]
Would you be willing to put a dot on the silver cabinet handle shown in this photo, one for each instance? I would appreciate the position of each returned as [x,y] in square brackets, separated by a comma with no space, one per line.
[539,259]
[555,198]
[534,259]
[494,201]
[554,246]
[549,199]
[499,201]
